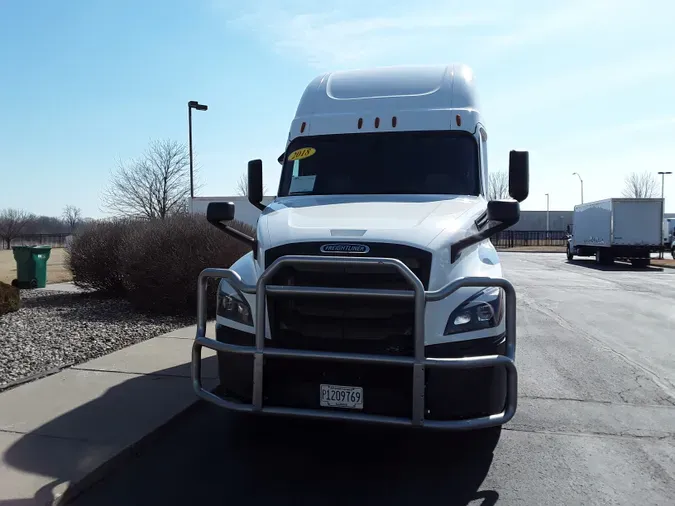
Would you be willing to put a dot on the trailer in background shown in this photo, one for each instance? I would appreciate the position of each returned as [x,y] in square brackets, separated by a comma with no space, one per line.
[617,229]
[668,231]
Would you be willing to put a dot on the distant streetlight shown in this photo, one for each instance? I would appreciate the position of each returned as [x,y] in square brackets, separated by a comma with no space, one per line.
[582,185]
[547,211]
[663,178]
[192,104]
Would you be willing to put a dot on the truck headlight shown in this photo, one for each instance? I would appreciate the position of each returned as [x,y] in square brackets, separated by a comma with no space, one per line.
[232,304]
[482,310]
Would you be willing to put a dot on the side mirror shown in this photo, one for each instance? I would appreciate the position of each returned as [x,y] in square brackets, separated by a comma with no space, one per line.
[501,214]
[519,175]
[255,184]
[219,211]
[504,211]
[281,158]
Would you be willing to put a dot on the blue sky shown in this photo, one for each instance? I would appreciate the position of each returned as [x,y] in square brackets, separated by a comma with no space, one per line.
[586,86]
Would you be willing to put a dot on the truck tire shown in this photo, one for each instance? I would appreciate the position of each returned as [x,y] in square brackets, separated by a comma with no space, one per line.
[640,262]
[603,257]
[486,437]
[570,255]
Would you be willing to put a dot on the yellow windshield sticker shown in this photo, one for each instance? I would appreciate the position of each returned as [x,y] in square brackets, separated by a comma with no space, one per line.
[300,154]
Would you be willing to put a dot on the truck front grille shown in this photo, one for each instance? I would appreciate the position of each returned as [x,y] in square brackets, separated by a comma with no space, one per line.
[355,324]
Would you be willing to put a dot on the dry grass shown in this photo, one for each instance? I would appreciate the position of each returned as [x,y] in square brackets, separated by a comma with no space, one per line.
[666,262]
[57,272]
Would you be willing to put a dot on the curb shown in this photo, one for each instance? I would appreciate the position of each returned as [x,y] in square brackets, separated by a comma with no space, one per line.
[75,489]
[35,376]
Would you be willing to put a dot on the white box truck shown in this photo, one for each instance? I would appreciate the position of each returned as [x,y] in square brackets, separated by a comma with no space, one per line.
[625,229]
[372,292]
[669,235]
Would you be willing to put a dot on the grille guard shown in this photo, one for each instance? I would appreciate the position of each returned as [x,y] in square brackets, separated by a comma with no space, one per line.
[418,363]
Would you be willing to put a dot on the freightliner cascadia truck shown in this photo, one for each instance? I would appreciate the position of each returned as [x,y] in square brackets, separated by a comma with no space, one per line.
[372,292]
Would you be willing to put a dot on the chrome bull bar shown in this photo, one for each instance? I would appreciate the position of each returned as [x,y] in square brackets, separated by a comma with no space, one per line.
[418,363]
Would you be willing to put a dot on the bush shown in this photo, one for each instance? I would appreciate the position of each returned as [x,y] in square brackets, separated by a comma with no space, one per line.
[163,258]
[154,263]
[93,256]
[10,300]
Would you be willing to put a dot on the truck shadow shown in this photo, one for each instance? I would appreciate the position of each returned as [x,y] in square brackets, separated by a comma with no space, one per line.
[336,463]
[207,455]
[616,266]
[65,449]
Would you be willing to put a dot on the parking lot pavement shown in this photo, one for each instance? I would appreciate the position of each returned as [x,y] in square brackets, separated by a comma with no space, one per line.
[595,423]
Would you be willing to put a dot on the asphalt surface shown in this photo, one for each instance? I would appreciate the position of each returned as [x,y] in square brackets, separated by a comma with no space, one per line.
[595,422]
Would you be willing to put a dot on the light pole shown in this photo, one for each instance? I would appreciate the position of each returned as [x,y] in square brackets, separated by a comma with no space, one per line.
[547,222]
[582,185]
[663,179]
[193,104]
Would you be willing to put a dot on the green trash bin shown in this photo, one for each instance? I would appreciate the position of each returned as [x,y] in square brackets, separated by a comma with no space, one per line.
[31,266]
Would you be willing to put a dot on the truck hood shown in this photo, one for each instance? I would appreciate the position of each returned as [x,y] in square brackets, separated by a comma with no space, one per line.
[405,219]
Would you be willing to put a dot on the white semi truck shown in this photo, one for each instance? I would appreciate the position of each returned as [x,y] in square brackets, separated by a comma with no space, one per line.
[372,292]
[626,229]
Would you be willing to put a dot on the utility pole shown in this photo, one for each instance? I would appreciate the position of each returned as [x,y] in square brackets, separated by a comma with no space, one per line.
[582,185]
[547,212]
[192,104]
[663,180]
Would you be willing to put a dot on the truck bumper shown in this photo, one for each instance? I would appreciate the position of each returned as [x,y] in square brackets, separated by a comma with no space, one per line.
[457,394]
[445,386]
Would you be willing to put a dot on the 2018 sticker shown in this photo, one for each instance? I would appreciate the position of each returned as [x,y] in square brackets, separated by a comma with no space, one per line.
[302,153]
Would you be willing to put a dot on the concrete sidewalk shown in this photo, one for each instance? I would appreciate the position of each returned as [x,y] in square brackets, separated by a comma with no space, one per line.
[68,429]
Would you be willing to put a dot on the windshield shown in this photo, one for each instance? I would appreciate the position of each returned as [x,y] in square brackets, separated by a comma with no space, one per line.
[440,162]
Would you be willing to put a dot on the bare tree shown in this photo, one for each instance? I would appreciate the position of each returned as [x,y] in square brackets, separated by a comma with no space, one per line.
[45,225]
[498,186]
[12,222]
[640,186]
[241,188]
[72,216]
[156,185]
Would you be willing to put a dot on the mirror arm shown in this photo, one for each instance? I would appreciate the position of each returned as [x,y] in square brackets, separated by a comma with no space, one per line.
[493,228]
[482,221]
[236,234]
[259,205]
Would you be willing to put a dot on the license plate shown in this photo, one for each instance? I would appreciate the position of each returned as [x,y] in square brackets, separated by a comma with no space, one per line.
[337,396]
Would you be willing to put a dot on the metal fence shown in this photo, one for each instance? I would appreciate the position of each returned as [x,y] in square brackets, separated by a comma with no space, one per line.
[506,239]
[53,240]
[519,238]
